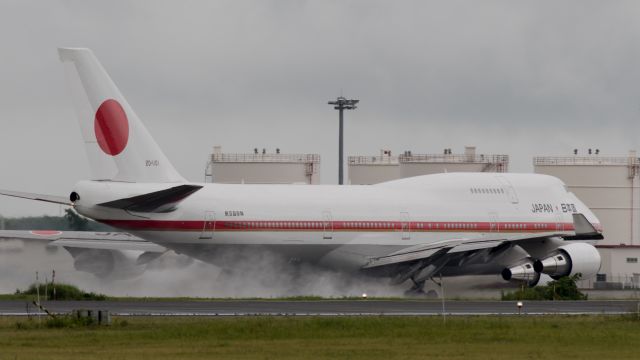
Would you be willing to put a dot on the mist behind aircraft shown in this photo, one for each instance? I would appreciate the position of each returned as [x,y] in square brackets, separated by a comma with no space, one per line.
[261,275]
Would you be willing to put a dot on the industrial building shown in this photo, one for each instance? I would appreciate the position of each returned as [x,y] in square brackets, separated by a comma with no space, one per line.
[375,169]
[609,185]
[261,167]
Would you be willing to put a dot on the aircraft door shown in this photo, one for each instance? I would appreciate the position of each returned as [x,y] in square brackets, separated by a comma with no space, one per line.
[209,225]
[493,222]
[559,224]
[405,226]
[327,225]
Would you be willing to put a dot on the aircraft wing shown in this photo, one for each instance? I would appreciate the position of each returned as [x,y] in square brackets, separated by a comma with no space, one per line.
[454,246]
[85,239]
[583,231]
[422,261]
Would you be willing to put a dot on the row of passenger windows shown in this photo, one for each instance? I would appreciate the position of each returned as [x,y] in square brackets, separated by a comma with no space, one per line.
[487,191]
[307,225]
[275,224]
[524,226]
[346,225]
[368,225]
[459,226]
[540,226]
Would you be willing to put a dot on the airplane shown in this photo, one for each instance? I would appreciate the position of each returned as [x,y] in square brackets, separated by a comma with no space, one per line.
[411,230]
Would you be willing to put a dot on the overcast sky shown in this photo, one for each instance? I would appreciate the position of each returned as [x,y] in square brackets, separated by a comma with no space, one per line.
[517,78]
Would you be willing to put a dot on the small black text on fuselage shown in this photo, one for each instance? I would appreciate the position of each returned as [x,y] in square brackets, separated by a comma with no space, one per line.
[234,213]
[541,208]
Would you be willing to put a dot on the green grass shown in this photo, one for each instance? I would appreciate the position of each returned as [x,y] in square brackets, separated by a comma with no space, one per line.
[570,337]
[60,291]
[565,288]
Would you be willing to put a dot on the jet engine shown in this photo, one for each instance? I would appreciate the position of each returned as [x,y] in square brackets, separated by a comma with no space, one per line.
[523,272]
[578,258]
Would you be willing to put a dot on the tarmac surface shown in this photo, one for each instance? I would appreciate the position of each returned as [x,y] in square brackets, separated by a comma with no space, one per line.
[325,307]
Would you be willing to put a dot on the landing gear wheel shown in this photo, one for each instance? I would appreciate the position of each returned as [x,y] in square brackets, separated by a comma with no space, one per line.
[432,294]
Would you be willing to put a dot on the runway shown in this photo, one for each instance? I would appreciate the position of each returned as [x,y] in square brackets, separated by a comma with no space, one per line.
[325,307]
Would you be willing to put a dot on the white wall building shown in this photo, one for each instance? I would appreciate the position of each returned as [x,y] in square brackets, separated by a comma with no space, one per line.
[610,186]
[261,167]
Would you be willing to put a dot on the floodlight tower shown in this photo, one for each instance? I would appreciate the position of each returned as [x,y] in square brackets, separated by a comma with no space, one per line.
[342,104]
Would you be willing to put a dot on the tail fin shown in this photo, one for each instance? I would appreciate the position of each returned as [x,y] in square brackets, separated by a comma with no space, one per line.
[118,145]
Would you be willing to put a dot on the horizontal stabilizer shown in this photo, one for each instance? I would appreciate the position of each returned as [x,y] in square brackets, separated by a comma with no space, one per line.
[39,197]
[156,202]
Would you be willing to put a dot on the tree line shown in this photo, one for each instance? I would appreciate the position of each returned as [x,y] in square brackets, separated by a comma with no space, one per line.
[70,221]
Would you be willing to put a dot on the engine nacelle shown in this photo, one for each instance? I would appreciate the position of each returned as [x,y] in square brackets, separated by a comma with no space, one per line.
[523,272]
[570,259]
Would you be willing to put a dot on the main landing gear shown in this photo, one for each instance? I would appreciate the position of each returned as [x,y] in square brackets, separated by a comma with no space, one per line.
[417,290]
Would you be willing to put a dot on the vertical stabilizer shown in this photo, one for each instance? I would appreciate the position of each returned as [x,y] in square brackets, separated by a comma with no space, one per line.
[118,145]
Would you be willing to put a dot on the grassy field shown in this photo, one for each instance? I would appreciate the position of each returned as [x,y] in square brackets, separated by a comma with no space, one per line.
[568,337]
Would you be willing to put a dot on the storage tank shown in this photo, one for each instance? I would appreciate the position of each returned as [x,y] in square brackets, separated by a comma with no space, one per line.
[610,187]
[367,170]
[262,167]
[375,169]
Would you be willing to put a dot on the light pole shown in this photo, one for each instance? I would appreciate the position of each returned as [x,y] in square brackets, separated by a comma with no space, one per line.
[342,104]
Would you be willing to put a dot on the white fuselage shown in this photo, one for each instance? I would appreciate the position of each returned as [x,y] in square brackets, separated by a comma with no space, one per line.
[344,226]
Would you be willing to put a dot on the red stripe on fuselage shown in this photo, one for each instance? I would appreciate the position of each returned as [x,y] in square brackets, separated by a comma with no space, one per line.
[338,226]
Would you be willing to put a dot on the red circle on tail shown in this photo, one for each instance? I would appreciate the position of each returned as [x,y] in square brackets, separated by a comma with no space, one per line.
[111,127]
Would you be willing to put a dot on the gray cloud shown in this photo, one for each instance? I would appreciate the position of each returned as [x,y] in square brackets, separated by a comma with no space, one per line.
[526,78]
